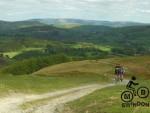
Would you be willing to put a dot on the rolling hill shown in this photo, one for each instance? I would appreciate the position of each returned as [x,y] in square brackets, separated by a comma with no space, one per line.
[73,74]
[126,40]
[139,66]
[5,25]
[95,34]
[119,37]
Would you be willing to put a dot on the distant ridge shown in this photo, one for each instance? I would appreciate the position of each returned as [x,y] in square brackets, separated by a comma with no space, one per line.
[88,22]
[71,22]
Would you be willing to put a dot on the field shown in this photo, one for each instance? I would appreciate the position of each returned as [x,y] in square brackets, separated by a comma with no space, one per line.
[67,26]
[91,45]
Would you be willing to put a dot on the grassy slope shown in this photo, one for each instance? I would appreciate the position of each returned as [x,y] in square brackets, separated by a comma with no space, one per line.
[108,100]
[77,67]
[39,84]
[42,84]
[71,75]
[137,66]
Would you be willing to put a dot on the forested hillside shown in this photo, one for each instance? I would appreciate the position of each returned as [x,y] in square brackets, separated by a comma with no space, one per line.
[124,40]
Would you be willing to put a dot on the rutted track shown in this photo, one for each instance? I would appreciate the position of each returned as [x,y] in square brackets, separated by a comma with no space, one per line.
[12,103]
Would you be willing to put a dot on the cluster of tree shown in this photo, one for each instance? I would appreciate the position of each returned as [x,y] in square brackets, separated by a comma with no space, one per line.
[131,50]
[85,53]
[31,65]
[30,54]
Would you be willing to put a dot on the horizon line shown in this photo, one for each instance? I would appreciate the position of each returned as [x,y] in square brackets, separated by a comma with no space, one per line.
[73,19]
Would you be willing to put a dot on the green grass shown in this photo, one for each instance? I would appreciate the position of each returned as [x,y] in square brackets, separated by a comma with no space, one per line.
[91,45]
[66,26]
[43,84]
[137,66]
[79,73]
[107,100]
[73,74]
[12,54]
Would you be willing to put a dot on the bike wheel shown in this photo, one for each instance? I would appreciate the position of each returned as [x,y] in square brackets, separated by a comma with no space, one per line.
[127,96]
[143,92]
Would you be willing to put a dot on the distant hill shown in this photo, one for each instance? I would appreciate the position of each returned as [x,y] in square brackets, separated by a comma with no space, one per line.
[87,22]
[126,40]
[69,23]
[131,37]
[96,34]
[5,25]
[64,23]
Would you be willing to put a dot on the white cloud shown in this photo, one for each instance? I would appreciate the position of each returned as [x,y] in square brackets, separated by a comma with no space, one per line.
[105,0]
[124,10]
[144,11]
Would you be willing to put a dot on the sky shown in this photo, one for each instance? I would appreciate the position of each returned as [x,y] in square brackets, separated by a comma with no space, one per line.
[109,10]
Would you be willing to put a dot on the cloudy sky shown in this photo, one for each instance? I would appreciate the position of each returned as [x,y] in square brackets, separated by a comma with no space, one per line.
[112,10]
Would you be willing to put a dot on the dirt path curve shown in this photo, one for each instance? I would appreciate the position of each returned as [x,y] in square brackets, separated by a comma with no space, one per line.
[11,104]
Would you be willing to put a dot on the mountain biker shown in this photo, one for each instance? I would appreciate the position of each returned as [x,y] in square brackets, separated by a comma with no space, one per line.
[131,83]
[119,72]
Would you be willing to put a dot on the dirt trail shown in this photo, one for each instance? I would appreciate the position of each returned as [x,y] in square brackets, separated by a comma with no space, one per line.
[12,103]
